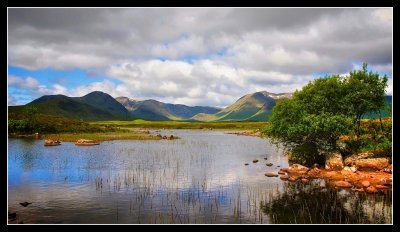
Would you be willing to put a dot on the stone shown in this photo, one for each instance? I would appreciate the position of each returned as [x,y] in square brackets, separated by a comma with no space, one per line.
[255,161]
[343,184]
[86,142]
[297,168]
[350,160]
[388,169]
[50,142]
[333,161]
[265,158]
[371,189]
[25,204]
[281,173]
[372,164]
[353,169]
[365,183]
[285,177]
[269,164]
[292,178]
[357,190]
[284,169]
[304,180]
[246,164]
[271,174]
[378,186]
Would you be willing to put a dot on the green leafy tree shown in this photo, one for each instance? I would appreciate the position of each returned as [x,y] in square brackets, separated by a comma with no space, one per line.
[365,93]
[311,123]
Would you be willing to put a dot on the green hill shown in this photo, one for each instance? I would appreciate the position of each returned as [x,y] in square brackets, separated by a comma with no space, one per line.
[251,107]
[159,111]
[86,108]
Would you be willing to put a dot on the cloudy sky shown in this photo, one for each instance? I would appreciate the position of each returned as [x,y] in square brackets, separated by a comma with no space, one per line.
[190,56]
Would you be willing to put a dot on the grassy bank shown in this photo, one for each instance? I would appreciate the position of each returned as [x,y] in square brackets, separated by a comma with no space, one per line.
[183,125]
[101,136]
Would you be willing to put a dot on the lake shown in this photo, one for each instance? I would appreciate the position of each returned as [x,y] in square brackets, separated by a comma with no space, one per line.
[199,178]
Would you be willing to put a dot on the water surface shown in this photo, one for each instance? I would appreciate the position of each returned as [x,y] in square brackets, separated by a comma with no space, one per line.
[200,178]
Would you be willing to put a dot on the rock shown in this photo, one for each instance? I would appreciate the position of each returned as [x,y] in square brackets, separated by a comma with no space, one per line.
[278,166]
[357,190]
[353,169]
[159,135]
[347,169]
[25,204]
[269,164]
[372,163]
[285,177]
[86,142]
[365,183]
[388,169]
[265,158]
[371,189]
[171,137]
[297,168]
[378,186]
[292,178]
[270,174]
[315,166]
[343,184]
[50,142]
[255,161]
[333,161]
[282,173]
[164,137]
[284,169]
[351,160]
[246,164]
[304,180]
[387,182]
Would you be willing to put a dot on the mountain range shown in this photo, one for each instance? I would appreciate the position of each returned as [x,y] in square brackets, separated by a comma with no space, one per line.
[97,106]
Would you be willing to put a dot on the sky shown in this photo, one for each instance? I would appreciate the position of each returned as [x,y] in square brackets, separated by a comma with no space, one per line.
[192,56]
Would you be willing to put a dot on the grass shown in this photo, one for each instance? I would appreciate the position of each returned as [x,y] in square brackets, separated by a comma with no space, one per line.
[102,136]
[139,123]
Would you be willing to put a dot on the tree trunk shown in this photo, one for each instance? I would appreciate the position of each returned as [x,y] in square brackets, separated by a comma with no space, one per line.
[380,119]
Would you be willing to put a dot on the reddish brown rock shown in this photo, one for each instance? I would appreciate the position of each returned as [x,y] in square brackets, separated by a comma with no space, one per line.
[343,184]
[255,161]
[281,173]
[371,189]
[269,164]
[304,180]
[285,177]
[372,163]
[365,183]
[271,174]
[333,161]
[292,178]
[297,169]
[378,186]
[284,169]
[358,190]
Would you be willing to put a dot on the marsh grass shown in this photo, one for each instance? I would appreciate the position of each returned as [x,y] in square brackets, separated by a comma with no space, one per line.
[103,136]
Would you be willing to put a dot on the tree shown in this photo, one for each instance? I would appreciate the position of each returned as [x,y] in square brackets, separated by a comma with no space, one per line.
[365,93]
[311,123]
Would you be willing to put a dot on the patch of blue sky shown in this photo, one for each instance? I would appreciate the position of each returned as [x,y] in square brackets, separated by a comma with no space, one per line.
[67,78]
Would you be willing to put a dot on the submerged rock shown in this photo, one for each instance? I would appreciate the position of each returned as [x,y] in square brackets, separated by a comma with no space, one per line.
[25,204]
[304,180]
[86,142]
[246,164]
[357,190]
[365,183]
[271,174]
[255,161]
[269,164]
[285,177]
[371,189]
[343,184]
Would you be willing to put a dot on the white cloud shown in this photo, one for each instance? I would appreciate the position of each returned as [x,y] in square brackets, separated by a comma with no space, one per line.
[211,56]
